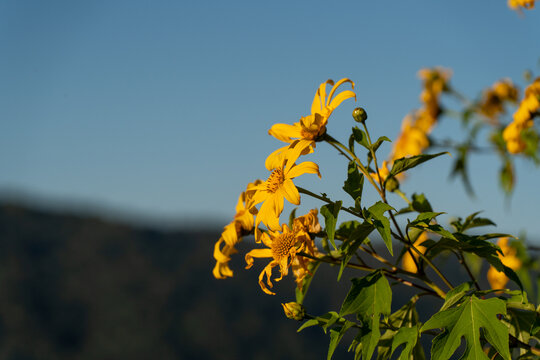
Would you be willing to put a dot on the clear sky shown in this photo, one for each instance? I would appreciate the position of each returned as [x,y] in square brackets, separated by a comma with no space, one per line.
[161,108]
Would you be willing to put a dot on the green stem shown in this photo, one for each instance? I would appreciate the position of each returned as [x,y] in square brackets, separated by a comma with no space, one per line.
[329,139]
[403,196]
[326,200]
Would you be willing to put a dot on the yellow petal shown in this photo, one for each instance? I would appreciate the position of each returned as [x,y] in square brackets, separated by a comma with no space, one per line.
[218,255]
[268,272]
[302,168]
[297,148]
[257,253]
[335,87]
[319,101]
[222,271]
[285,132]
[342,96]
[290,192]
[275,159]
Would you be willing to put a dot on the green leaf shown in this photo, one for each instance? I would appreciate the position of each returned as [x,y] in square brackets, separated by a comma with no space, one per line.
[506,177]
[360,137]
[292,216]
[520,323]
[472,221]
[356,235]
[330,213]
[404,164]
[420,203]
[354,183]
[407,336]
[435,228]
[455,295]
[379,142]
[381,222]
[405,317]
[324,321]
[336,335]
[465,321]
[369,297]
[425,218]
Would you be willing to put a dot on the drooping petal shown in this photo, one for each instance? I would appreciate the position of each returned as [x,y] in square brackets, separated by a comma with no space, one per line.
[285,132]
[222,271]
[342,96]
[335,87]
[290,192]
[268,272]
[303,168]
[218,255]
[257,253]
[230,235]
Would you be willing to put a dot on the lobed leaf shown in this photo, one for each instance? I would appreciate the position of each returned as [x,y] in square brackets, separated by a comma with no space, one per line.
[466,320]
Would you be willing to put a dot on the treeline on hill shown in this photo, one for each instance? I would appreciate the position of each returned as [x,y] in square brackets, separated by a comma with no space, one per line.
[78,287]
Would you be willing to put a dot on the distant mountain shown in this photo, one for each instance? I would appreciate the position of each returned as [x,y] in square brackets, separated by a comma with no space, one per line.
[77,287]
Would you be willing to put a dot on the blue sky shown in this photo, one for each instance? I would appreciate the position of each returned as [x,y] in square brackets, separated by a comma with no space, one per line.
[161,109]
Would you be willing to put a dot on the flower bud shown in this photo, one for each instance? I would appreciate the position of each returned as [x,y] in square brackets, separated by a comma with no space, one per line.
[294,311]
[392,184]
[359,115]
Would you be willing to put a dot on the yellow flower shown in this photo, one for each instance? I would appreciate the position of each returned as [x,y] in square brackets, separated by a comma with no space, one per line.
[308,223]
[497,279]
[492,103]
[314,125]
[279,184]
[232,233]
[413,138]
[282,248]
[518,4]
[383,173]
[523,118]
[407,261]
[412,141]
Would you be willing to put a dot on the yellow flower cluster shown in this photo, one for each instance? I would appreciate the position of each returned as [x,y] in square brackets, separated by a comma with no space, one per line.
[415,127]
[497,279]
[523,118]
[518,4]
[493,99]
[282,244]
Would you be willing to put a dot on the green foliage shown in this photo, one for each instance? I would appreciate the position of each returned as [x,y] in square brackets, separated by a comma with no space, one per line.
[354,184]
[465,320]
[330,213]
[369,298]
[355,234]
[404,164]
[375,216]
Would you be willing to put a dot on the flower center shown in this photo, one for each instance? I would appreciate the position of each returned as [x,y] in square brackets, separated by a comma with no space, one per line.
[274,180]
[282,245]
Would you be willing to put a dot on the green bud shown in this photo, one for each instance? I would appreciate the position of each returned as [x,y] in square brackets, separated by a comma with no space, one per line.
[359,115]
[392,184]
[294,311]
